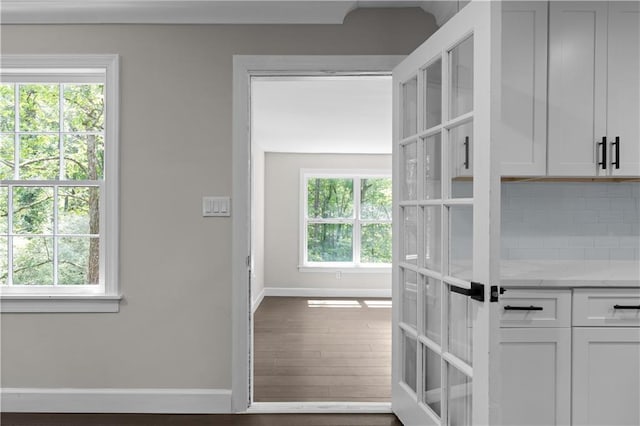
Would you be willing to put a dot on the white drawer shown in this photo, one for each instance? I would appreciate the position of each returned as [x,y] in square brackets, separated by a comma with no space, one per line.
[535,308]
[606,307]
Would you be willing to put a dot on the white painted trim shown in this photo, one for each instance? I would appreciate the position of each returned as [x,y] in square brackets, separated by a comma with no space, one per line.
[75,400]
[244,67]
[258,300]
[320,407]
[50,304]
[326,292]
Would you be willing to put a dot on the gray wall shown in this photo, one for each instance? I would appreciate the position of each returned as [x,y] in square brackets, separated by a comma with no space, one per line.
[174,327]
[282,221]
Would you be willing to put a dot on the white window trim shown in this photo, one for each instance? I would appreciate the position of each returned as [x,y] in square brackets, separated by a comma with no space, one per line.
[103,298]
[333,267]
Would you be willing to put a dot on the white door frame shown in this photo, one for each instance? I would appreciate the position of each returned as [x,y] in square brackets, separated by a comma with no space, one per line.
[244,67]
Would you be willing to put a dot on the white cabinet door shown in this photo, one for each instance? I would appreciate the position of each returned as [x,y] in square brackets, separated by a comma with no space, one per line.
[623,123]
[606,368]
[524,88]
[536,376]
[577,88]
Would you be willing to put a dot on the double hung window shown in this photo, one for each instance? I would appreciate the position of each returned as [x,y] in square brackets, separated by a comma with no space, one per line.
[58,187]
[346,219]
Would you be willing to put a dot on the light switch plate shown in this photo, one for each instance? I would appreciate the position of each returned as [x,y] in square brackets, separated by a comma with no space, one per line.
[216,206]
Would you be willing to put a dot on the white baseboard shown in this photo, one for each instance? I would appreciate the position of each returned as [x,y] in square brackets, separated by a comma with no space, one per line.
[73,400]
[326,292]
[320,407]
[258,300]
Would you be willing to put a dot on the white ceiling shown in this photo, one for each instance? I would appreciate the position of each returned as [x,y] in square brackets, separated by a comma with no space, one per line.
[194,11]
[322,114]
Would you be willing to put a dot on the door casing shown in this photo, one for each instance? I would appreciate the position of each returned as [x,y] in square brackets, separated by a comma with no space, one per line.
[245,67]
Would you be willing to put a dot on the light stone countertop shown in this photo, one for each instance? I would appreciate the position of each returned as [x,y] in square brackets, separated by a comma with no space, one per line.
[578,273]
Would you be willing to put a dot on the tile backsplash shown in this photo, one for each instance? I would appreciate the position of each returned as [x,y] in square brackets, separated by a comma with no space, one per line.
[570,221]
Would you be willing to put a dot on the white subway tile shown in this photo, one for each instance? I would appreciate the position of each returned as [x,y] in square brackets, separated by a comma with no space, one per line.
[596,253]
[624,254]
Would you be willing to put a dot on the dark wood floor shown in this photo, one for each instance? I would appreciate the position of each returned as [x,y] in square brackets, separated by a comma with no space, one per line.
[309,349]
[21,419]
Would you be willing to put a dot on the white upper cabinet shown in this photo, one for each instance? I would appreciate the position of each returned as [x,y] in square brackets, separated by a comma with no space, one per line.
[524,88]
[594,89]
[623,105]
[577,88]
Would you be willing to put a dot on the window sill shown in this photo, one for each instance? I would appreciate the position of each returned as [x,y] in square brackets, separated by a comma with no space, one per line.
[59,303]
[346,269]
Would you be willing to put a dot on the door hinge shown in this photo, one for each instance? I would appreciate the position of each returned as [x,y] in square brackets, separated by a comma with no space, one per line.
[248,261]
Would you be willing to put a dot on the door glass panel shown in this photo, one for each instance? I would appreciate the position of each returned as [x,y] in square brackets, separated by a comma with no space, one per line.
[461,241]
[458,397]
[410,297]
[461,160]
[432,240]
[410,235]
[409,171]
[409,369]
[410,107]
[433,101]
[432,169]
[460,327]
[432,302]
[461,75]
[432,379]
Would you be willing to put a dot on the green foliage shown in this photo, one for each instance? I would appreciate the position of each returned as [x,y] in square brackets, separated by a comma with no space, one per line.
[375,243]
[330,242]
[330,198]
[375,199]
[7,111]
[41,158]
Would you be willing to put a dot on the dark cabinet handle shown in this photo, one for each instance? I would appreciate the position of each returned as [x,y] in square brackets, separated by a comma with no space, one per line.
[616,146]
[603,151]
[626,307]
[522,308]
[466,152]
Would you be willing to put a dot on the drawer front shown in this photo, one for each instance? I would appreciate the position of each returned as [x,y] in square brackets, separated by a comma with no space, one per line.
[606,307]
[535,308]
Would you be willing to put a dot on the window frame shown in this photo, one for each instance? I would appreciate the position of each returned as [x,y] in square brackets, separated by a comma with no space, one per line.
[106,296]
[354,266]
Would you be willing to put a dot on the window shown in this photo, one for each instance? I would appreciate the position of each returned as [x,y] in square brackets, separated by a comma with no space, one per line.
[58,171]
[346,219]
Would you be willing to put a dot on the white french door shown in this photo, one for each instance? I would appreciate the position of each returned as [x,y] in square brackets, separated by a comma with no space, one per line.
[447,224]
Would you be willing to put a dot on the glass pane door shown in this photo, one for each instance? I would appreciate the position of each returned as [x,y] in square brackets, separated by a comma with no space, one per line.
[445,189]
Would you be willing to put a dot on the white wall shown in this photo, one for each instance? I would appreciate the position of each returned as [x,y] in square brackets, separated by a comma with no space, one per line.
[174,326]
[282,221]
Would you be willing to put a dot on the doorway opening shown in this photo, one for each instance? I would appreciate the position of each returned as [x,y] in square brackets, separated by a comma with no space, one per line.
[321,238]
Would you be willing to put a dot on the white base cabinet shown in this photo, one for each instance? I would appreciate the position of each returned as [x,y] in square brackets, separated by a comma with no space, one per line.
[570,357]
[606,376]
[536,376]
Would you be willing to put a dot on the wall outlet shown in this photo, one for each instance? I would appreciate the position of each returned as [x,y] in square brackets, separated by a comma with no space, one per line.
[338,275]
